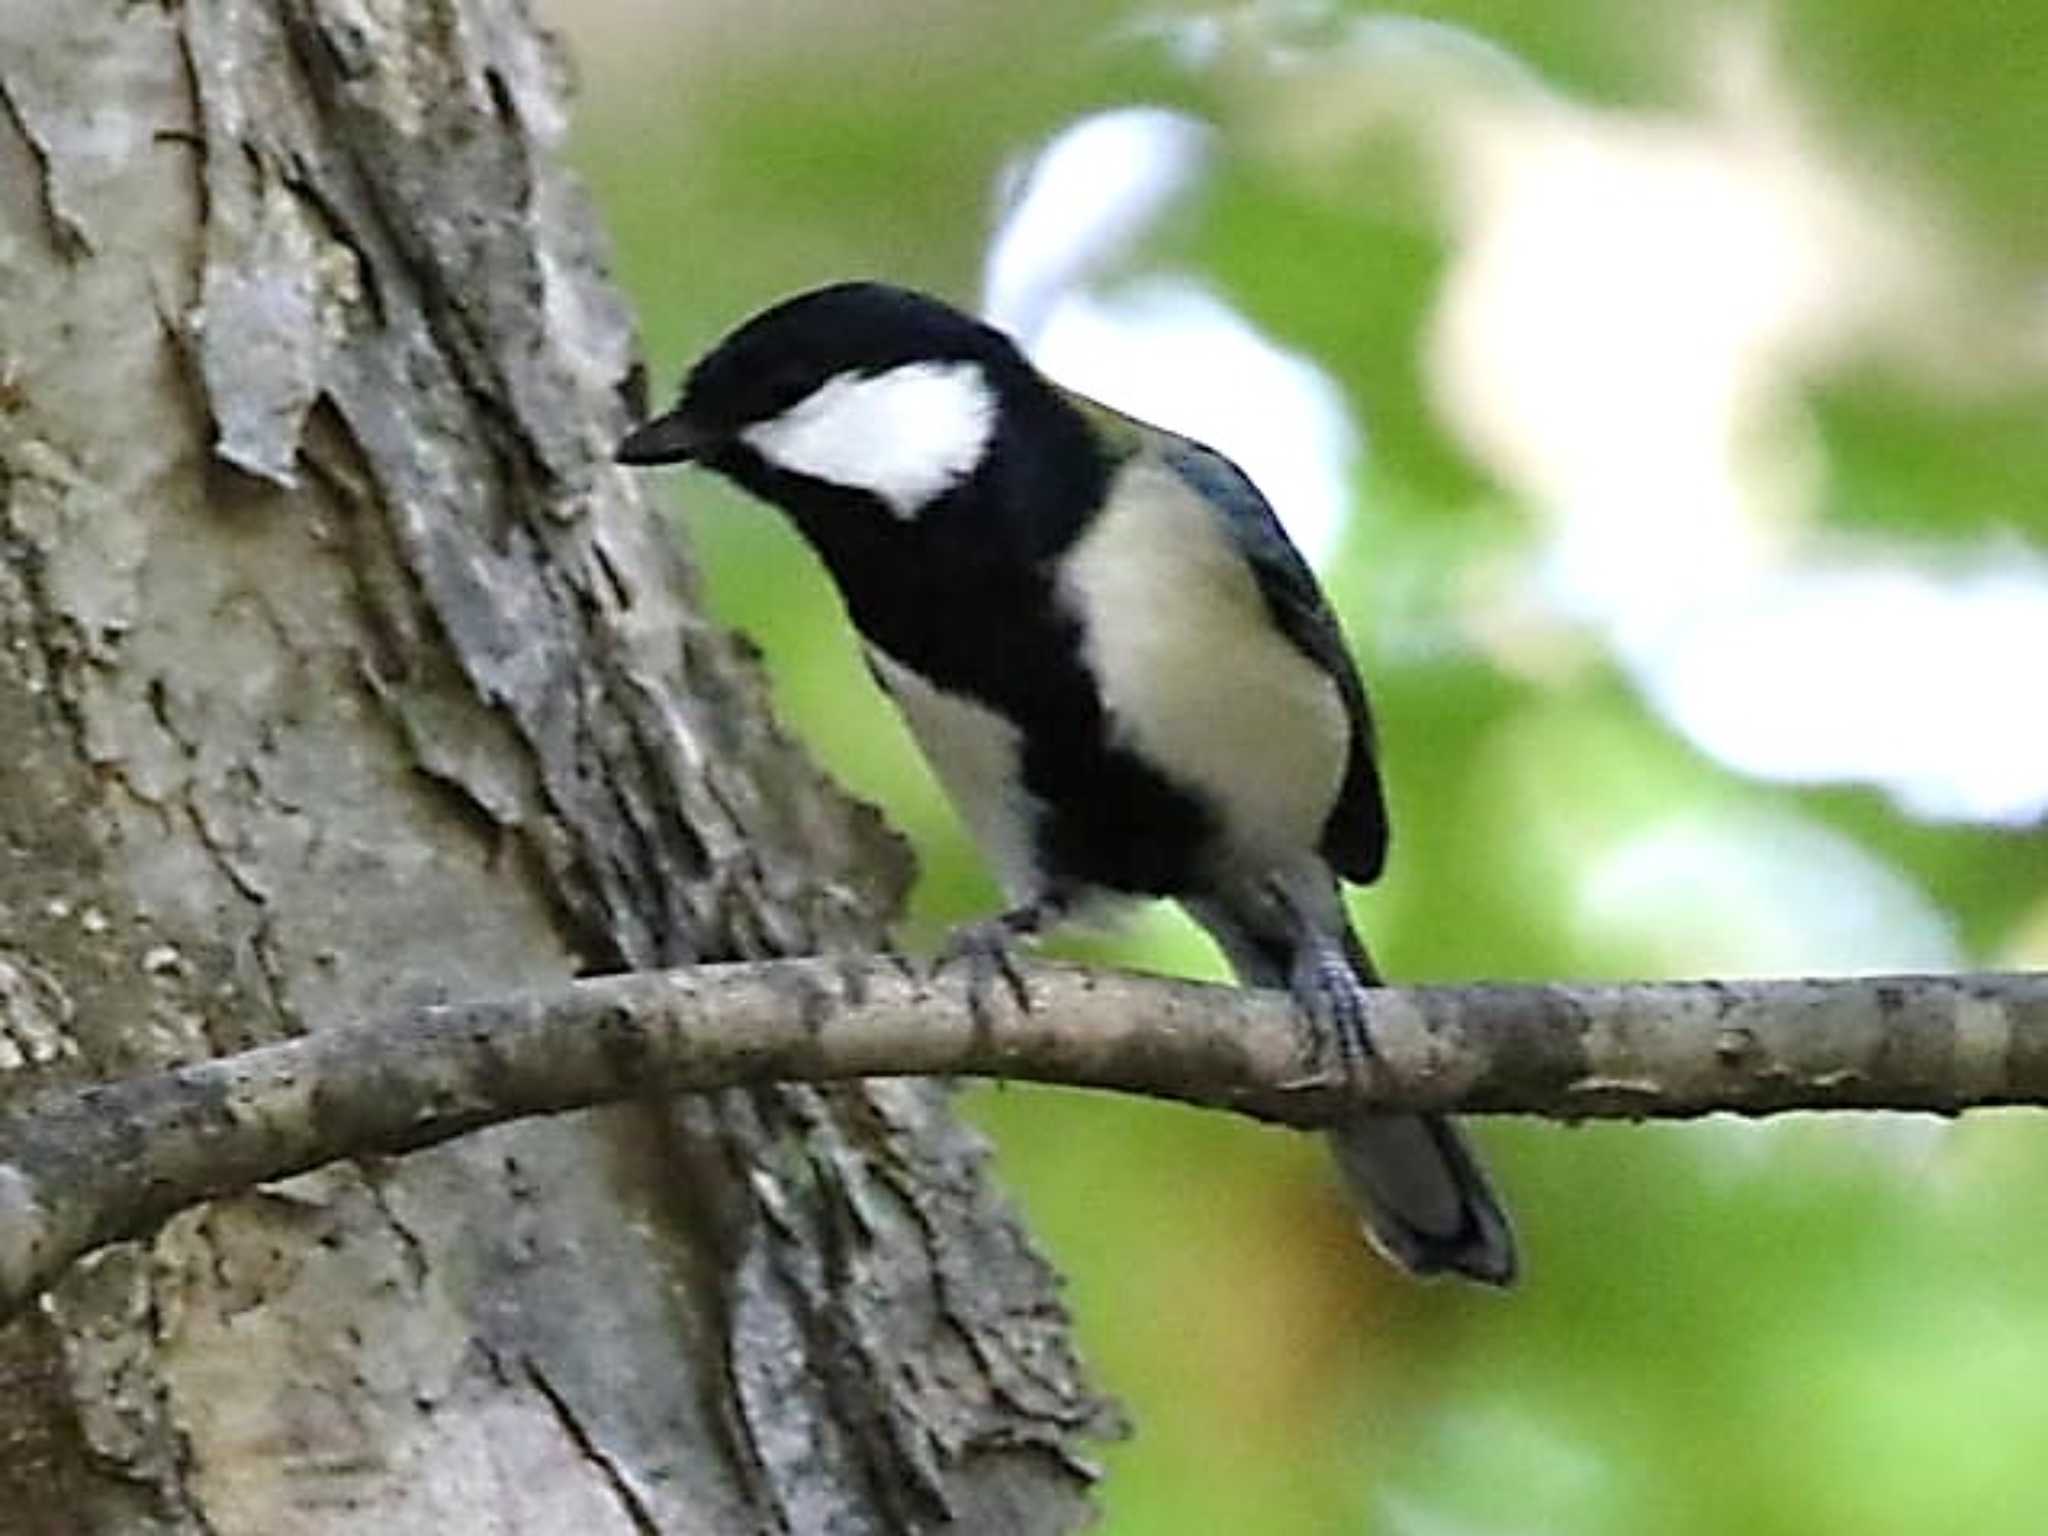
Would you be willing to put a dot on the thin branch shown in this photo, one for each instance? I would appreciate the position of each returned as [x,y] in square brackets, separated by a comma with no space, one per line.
[87,1166]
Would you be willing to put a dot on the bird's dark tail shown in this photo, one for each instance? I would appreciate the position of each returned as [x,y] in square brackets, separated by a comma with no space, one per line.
[1426,1202]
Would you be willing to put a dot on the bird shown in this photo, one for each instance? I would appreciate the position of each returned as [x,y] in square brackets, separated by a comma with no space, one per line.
[1120,669]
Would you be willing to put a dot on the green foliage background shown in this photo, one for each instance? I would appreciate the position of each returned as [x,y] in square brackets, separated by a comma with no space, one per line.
[1809,1328]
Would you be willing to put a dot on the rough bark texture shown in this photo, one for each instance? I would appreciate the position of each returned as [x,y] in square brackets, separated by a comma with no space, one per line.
[88,1166]
[341,672]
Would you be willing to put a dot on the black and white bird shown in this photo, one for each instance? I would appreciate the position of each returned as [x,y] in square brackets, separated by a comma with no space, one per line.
[1120,670]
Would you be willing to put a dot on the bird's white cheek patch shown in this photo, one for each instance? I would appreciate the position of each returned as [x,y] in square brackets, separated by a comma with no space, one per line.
[905,436]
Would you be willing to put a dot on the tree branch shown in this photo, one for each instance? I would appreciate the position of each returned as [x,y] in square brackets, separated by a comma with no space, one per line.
[87,1166]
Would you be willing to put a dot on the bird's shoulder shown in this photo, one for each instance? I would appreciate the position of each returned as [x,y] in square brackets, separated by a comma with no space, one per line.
[1218,489]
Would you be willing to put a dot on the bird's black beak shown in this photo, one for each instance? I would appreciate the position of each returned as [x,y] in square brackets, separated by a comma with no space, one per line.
[671,439]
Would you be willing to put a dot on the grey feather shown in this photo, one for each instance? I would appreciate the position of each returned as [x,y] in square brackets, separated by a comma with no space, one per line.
[1425,1201]
[1355,836]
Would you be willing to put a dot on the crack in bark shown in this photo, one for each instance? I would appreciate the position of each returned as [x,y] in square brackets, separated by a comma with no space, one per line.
[373,1172]
[68,237]
[622,1489]
[55,632]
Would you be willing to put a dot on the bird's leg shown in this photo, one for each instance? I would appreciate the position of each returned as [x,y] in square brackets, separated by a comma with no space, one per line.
[1328,973]
[984,947]
[1330,993]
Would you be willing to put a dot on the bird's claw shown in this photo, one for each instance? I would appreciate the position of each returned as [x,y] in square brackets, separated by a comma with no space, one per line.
[984,948]
[894,959]
[1333,1002]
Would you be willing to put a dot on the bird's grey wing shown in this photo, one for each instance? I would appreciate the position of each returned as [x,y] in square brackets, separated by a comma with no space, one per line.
[1355,836]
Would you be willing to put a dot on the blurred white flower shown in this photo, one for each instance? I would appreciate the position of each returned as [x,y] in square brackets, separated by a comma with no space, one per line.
[1159,346]
[1752,894]
[1925,682]
[1636,302]
[1082,203]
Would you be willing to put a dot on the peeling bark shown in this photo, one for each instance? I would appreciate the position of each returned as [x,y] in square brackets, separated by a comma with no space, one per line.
[341,671]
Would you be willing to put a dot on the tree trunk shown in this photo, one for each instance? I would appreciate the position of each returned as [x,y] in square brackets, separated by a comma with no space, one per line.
[341,669]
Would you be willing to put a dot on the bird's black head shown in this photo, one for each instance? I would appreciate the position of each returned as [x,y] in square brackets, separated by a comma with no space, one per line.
[857,387]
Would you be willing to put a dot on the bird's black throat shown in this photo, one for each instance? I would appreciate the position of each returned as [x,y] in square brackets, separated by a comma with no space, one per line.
[964,593]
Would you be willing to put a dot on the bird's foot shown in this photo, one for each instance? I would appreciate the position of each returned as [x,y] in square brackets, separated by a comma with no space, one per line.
[986,949]
[856,966]
[890,958]
[1332,999]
